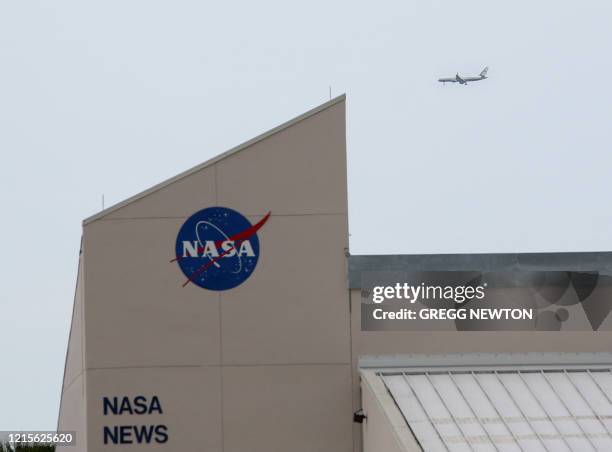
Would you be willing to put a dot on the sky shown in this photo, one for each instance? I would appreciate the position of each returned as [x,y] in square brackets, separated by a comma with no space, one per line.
[110,98]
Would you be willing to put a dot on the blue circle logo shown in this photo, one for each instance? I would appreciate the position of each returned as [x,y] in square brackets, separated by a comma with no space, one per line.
[217,248]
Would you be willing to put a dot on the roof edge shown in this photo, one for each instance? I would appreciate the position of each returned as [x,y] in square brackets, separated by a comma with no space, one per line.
[217,158]
[456,361]
[600,261]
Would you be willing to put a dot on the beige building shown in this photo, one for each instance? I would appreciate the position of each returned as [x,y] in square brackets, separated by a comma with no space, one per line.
[269,359]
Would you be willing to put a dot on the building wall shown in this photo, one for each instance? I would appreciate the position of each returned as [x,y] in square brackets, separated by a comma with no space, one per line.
[73,403]
[262,367]
[271,365]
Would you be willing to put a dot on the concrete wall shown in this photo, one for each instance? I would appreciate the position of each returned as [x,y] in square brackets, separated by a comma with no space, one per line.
[403,342]
[73,410]
[265,366]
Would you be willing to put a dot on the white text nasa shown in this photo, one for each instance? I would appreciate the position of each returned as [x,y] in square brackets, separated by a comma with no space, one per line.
[208,248]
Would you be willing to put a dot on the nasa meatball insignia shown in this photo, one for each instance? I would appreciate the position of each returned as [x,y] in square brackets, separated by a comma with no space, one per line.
[217,248]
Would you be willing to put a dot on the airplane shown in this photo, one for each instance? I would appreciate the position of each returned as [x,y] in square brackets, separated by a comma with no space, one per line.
[464,80]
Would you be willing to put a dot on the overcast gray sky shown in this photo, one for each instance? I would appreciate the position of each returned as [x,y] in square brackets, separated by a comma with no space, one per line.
[113,97]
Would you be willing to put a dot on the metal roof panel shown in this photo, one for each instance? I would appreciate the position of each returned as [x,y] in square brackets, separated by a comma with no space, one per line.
[496,402]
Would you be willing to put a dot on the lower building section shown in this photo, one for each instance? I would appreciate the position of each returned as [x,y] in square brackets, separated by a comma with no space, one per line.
[231,408]
[495,402]
[166,408]
[73,414]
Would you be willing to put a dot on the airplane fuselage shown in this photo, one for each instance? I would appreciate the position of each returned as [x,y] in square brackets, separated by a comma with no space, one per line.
[464,80]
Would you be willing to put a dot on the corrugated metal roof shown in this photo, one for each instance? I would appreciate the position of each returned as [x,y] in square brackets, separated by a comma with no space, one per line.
[503,408]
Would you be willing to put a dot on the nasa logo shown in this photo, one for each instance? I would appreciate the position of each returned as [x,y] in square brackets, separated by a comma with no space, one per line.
[217,248]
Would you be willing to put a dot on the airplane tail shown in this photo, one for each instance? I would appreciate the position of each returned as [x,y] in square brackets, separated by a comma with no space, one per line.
[484,72]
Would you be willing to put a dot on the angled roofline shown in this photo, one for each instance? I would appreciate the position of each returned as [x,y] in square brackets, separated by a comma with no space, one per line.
[215,159]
